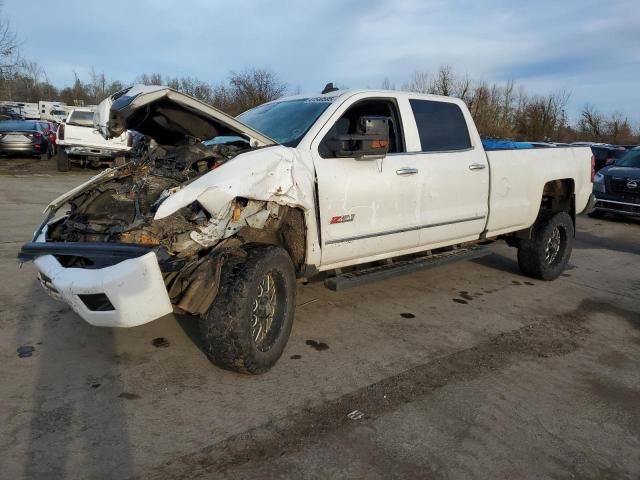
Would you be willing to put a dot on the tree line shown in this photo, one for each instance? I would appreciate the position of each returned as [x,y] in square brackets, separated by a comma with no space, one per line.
[502,111]
[508,111]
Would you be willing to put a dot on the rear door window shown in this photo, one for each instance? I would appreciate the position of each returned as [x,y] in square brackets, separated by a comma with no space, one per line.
[441,126]
[81,118]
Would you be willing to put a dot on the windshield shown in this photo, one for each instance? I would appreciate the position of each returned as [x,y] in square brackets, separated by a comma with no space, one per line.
[81,118]
[288,121]
[630,159]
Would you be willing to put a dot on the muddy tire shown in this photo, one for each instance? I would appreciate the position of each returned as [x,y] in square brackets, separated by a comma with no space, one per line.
[248,325]
[545,255]
[62,161]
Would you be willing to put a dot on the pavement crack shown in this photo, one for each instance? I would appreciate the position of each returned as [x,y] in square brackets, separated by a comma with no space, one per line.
[552,336]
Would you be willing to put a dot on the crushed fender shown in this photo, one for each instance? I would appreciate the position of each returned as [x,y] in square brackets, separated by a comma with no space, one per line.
[173,197]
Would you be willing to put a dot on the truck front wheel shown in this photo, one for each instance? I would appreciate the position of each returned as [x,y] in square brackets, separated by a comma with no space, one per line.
[546,253]
[249,322]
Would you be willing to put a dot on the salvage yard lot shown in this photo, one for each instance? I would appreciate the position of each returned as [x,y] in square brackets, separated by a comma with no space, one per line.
[466,371]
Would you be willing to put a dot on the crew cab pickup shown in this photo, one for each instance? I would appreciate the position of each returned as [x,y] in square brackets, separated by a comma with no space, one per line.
[80,142]
[216,216]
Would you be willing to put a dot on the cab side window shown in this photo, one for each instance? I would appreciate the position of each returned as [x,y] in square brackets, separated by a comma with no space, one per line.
[348,123]
[441,126]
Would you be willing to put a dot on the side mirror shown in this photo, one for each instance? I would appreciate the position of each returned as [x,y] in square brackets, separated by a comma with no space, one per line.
[371,140]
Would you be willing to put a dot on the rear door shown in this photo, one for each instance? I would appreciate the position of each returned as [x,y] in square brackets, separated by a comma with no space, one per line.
[454,172]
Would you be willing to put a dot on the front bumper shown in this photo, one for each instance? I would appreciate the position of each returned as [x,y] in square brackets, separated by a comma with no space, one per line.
[617,204]
[128,293]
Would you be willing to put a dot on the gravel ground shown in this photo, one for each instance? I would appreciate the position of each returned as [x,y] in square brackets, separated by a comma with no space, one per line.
[466,371]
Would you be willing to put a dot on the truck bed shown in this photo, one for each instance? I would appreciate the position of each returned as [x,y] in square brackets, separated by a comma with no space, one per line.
[518,178]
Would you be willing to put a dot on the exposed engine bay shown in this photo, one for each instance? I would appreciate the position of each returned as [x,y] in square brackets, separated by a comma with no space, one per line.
[122,208]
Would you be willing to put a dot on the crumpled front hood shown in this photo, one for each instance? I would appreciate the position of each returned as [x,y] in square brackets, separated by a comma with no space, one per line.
[168,117]
[278,174]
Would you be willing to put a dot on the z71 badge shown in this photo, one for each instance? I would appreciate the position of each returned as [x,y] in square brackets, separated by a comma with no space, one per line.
[342,219]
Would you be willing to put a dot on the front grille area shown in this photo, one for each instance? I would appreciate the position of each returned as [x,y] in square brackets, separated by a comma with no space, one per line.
[621,185]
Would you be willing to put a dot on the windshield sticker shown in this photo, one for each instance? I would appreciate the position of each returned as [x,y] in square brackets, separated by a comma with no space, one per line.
[319,99]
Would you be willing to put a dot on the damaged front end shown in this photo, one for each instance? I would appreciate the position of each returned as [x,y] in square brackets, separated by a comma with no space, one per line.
[171,200]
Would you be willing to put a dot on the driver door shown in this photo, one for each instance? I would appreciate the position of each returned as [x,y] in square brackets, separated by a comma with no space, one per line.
[368,209]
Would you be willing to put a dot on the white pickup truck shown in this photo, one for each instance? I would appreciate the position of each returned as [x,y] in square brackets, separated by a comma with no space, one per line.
[356,184]
[80,142]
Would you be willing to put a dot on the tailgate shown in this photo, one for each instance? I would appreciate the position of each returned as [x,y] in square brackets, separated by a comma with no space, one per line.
[90,137]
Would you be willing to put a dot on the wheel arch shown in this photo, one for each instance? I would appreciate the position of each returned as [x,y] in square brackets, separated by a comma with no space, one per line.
[288,231]
[559,196]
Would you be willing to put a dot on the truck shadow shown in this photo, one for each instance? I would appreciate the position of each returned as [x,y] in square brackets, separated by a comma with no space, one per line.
[586,240]
[190,326]
[78,424]
[498,262]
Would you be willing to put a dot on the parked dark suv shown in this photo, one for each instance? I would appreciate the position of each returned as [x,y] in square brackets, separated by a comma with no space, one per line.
[617,186]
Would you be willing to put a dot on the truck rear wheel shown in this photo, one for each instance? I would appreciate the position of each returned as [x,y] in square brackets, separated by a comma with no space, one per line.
[62,161]
[247,327]
[545,255]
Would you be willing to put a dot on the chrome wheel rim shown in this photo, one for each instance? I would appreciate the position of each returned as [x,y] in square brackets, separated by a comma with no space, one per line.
[553,246]
[264,311]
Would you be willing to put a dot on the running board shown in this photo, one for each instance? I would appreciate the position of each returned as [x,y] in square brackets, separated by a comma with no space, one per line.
[382,272]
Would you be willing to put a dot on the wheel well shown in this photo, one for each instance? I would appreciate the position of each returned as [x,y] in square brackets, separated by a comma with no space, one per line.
[293,237]
[558,195]
[195,287]
[287,230]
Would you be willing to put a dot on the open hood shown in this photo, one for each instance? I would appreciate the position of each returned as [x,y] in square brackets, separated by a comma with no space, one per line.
[168,117]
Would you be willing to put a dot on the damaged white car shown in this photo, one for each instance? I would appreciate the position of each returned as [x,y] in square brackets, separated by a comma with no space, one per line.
[216,216]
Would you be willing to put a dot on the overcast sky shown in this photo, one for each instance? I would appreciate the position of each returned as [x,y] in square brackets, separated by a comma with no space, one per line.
[591,48]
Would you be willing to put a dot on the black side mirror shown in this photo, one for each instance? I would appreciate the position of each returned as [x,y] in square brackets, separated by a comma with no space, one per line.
[370,141]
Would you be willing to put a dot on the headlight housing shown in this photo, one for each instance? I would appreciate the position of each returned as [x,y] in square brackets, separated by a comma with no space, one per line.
[598,183]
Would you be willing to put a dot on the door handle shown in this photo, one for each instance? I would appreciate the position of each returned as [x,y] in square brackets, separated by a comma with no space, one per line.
[406,171]
[477,166]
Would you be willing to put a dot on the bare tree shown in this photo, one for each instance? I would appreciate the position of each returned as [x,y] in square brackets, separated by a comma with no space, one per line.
[618,129]
[8,55]
[420,82]
[150,79]
[8,44]
[463,88]
[253,87]
[387,85]
[444,81]
[591,123]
